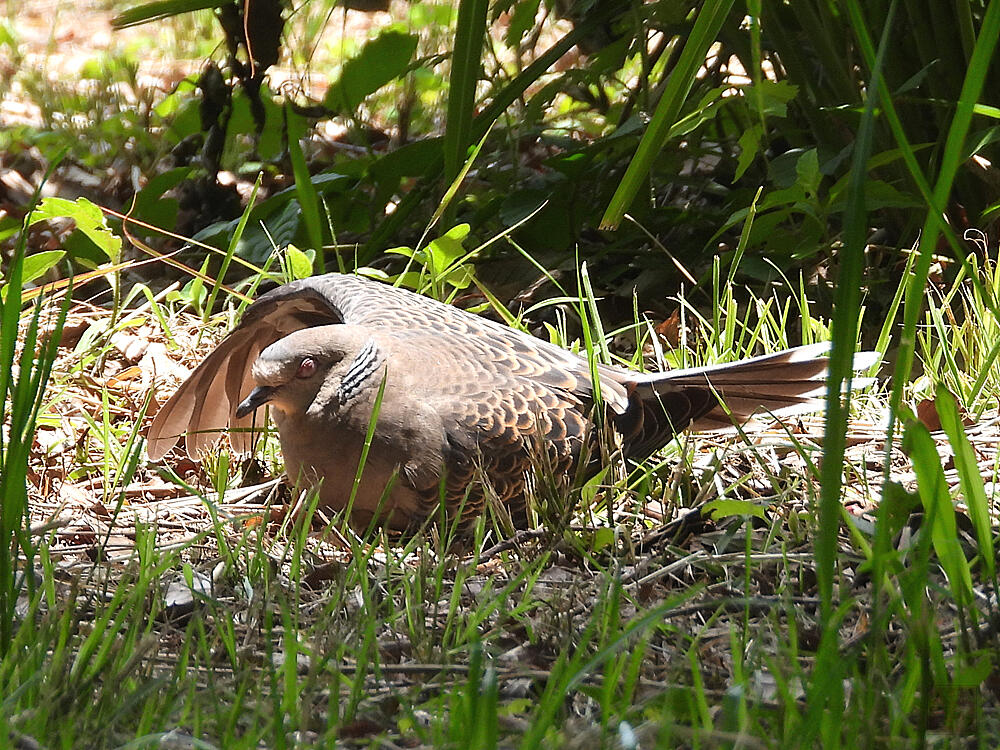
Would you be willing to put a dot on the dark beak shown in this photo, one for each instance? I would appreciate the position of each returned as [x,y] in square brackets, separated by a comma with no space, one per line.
[258,397]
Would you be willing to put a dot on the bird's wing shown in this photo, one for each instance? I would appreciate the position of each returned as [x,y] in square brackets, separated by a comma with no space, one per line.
[497,421]
[205,404]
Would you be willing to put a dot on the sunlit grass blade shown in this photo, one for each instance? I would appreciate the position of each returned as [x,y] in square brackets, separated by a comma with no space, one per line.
[971,481]
[234,243]
[22,394]
[466,63]
[704,31]
[938,508]
[304,188]
[952,158]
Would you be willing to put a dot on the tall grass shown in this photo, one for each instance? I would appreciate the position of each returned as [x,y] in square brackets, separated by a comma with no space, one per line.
[770,617]
[23,377]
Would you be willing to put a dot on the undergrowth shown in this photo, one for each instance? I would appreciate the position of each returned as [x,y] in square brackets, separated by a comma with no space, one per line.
[181,607]
[794,585]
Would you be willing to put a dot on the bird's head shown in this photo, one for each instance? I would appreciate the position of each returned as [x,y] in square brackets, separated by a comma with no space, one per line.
[293,371]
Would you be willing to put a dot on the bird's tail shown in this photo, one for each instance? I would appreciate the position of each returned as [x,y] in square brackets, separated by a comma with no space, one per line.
[722,396]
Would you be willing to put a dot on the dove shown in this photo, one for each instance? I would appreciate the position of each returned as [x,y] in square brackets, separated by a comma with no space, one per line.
[459,408]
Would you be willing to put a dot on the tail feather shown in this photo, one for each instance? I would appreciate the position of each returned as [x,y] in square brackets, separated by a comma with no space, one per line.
[723,396]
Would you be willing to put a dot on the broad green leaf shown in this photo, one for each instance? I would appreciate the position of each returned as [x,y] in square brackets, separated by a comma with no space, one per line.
[151,206]
[723,508]
[299,264]
[89,219]
[380,61]
[447,248]
[36,265]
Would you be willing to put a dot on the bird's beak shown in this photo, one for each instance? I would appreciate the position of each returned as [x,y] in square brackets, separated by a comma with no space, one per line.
[258,397]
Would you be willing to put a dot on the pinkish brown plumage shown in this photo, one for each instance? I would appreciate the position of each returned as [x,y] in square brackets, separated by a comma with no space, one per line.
[465,399]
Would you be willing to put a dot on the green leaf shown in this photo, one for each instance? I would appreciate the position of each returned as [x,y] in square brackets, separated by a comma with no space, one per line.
[272,136]
[161,9]
[9,226]
[89,219]
[724,508]
[807,173]
[987,111]
[151,206]
[36,265]
[299,264]
[380,61]
[412,160]
[706,109]
[447,248]
[974,674]
[771,97]
[749,143]
[878,195]
[282,228]
[604,537]
[521,21]
[194,292]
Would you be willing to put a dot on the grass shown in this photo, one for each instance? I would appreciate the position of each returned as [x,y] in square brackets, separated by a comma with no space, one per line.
[708,598]
[170,608]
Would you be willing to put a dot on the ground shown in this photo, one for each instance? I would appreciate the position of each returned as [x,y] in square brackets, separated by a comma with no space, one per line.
[198,603]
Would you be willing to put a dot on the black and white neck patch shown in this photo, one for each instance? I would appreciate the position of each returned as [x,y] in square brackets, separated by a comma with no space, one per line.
[365,364]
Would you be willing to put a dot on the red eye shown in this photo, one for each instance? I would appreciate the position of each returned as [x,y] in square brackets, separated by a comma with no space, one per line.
[306,368]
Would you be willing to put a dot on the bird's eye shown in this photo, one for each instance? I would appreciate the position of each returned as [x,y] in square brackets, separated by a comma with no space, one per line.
[307,367]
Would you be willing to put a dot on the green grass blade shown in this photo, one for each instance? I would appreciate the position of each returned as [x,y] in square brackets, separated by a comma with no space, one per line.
[970,480]
[952,158]
[234,243]
[940,513]
[304,188]
[845,327]
[682,77]
[470,31]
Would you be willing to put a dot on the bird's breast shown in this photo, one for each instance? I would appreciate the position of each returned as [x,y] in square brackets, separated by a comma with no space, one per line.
[404,455]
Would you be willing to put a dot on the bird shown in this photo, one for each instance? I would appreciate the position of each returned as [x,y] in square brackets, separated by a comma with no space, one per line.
[433,408]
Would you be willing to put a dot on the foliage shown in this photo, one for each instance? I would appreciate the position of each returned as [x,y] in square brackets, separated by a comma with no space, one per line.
[744,142]
[24,375]
[774,108]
